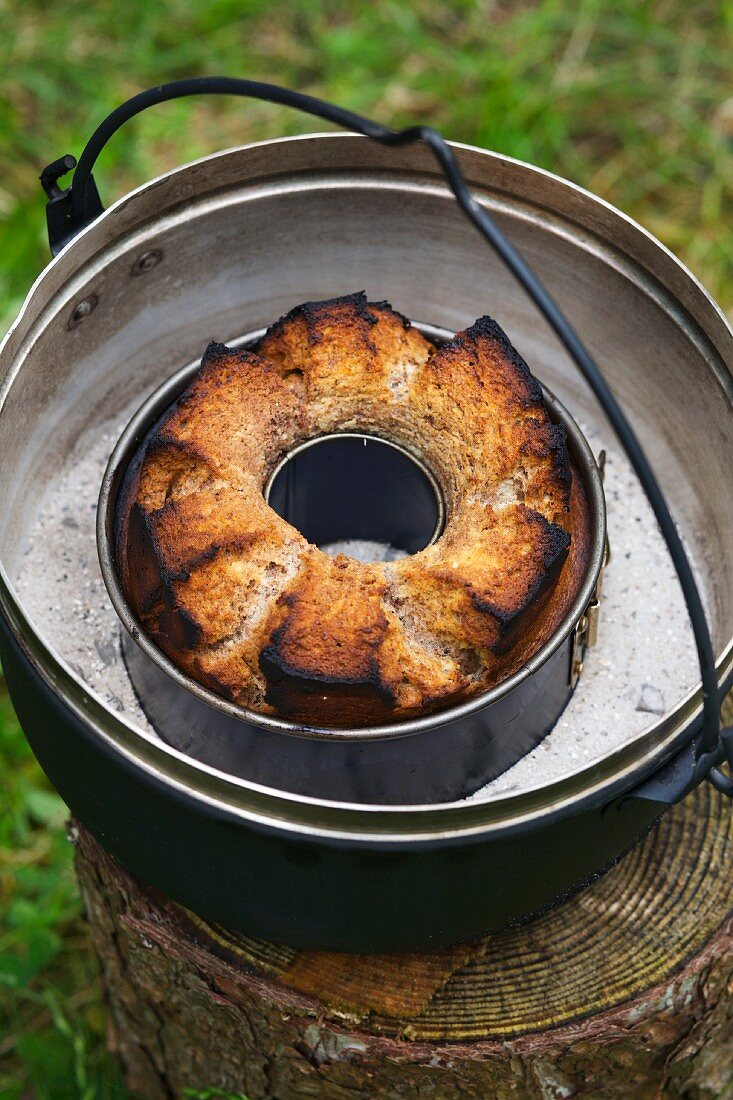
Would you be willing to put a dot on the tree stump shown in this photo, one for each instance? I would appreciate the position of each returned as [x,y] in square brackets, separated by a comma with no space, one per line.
[624,991]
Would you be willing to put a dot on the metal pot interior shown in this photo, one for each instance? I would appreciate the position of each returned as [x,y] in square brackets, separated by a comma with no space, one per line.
[245,235]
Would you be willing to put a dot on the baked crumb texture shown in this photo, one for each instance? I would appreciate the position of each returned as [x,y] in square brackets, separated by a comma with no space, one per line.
[243,604]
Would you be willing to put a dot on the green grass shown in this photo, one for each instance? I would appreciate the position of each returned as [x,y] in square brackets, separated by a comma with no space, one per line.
[51,1021]
[632,99]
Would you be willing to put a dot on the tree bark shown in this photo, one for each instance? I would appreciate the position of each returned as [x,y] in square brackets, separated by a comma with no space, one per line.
[624,991]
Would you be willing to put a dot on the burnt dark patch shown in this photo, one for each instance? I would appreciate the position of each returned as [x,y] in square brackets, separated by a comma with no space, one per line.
[304,696]
[215,351]
[556,545]
[487,328]
[335,309]
[142,561]
[177,629]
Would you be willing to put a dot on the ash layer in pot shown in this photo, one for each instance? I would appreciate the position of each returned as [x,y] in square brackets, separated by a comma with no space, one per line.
[643,664]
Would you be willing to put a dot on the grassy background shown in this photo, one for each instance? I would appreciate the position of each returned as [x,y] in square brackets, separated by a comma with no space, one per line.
[632,99]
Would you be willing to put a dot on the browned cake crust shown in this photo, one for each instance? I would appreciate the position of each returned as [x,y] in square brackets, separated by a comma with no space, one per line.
[241,602]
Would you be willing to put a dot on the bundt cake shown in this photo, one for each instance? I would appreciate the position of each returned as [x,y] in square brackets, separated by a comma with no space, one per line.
[242,603]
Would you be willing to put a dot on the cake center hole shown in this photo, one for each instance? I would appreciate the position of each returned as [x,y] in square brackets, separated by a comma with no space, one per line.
[358,495]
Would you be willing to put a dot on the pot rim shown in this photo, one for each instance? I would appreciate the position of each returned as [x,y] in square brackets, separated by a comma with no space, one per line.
[273,810]
[124,453]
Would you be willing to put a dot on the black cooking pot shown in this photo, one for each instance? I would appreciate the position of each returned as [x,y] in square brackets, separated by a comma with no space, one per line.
[128,299]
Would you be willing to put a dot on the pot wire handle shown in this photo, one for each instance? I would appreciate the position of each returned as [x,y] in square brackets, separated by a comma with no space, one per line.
[70,210]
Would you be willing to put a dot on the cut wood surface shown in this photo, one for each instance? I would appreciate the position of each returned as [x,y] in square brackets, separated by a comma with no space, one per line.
[626,990]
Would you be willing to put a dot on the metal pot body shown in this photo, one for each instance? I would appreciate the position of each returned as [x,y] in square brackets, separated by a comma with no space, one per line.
[338,894]
[446,761]
[311,218]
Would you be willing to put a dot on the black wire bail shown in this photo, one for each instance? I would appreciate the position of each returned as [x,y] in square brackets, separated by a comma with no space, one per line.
[70,210]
